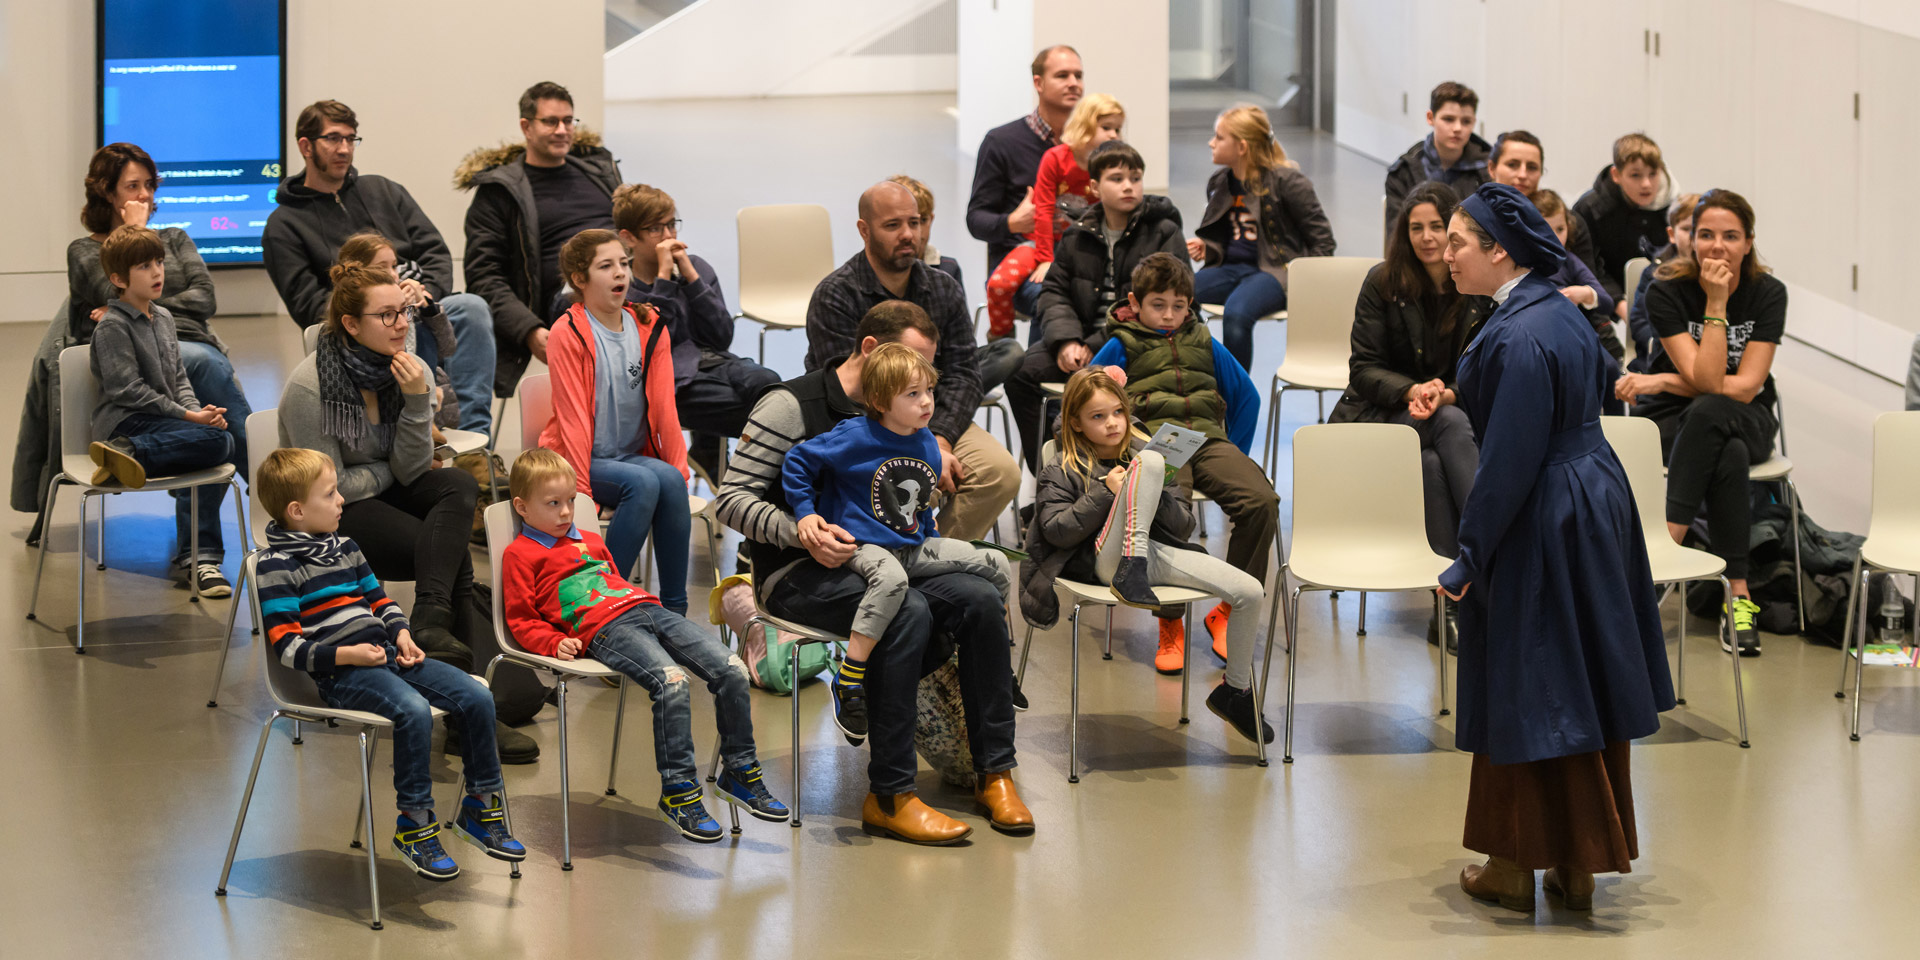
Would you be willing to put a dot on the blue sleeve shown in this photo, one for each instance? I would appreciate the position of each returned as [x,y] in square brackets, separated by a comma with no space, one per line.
[1581,276]
[1243,401]
[1639,325]
[1518,387]
[1113,353]
[800,474]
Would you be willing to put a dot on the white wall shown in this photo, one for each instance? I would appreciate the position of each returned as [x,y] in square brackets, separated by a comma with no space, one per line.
[1754,96]
[430,79]
[770,48]
[1122,45]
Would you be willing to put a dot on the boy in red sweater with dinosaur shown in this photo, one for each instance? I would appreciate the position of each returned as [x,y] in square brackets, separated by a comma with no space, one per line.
[565,599]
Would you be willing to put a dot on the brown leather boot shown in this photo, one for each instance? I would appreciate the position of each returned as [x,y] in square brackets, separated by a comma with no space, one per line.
[1499,880]
[1004,810]
[903,817]
[1573,887]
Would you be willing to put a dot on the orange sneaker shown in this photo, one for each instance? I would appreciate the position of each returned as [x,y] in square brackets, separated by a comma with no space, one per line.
[1217,625]
[1172,655]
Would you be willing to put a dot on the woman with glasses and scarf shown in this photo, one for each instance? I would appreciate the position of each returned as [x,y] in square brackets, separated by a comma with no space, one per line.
[1562,657]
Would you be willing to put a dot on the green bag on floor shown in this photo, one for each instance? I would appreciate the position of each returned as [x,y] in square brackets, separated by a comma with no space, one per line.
[767,652]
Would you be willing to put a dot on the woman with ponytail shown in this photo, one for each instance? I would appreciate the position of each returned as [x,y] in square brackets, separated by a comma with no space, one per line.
[1261,213]
[364,401]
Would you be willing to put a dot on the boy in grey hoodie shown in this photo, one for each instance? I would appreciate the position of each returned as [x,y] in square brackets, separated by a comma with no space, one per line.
[147,410]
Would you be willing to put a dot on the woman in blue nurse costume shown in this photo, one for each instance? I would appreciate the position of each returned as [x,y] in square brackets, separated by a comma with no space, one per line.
[1562,659]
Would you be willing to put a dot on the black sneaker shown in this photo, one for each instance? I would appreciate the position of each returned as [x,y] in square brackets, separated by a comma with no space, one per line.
[1744,632]
[1130,583]
[1019,696]
[849,710]
[680,806]
[485,826]
[1236,708]
[212,583]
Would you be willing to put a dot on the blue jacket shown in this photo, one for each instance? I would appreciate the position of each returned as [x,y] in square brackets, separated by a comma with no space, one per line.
[875,483]
[1236,388]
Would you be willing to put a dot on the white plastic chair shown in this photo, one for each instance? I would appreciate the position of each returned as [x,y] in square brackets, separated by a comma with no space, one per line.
[1359,523]
[502,527]
[263,429]
[1636,441]
[1635,267]
[79,394]
[786,249]
[1893,534]
[1777,469]
[1323,291]
[296,698]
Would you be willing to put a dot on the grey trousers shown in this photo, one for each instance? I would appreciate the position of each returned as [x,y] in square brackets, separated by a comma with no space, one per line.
[888,573]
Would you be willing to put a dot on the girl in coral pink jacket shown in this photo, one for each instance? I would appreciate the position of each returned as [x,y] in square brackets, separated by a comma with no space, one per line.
[613,414]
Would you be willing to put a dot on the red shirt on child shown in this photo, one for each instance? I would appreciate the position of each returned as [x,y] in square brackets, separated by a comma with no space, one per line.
[560,587]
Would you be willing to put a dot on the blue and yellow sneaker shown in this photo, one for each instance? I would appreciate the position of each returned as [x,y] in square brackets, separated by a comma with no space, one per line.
[485,826]
[420,847]
[680,806]
[745,788]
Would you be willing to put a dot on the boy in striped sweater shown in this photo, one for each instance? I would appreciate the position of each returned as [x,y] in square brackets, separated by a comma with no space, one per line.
[565,599]
[324,612]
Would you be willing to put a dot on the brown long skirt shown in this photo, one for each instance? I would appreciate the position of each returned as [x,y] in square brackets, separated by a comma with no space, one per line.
[1574,812]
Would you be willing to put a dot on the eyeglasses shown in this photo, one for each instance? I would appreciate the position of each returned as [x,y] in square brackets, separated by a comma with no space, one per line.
[555,123]
[663,226]
[338,140]
[388,318]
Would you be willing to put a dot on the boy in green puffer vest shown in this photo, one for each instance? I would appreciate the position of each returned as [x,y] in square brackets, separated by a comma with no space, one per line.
[1176,372]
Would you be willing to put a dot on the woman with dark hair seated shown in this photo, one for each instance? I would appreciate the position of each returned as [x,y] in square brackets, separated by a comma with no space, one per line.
[1409,329]
[1719,315]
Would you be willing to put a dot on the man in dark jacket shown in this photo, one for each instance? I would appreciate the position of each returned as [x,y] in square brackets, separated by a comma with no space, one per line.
[1088,281]
[1452,154]
[528,200]
[329,201]
[1000,208]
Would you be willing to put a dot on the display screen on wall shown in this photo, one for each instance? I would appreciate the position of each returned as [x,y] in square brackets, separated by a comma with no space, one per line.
[201,86]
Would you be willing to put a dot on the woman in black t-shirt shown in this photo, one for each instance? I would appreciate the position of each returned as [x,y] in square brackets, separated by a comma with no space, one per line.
[1719,316]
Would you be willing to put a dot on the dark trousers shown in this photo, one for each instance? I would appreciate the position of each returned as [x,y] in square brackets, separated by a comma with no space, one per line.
[419,532]
[1709,443]
[964,608]
[167,446]
[1024,393]
[1448,459]
[715,403]
[1219,470]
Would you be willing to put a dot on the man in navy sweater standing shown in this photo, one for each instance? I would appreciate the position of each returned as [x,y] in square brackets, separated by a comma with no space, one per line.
[1000,209]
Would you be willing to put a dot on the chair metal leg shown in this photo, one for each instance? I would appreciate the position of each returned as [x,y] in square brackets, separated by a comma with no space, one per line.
[366,808]
[1273,427]
[100,538]
[1846,626]
[1274,612]
[193,541]
[506,814]
[613,760]
[794,672]
[226,639]
[1320,399]
[1106,652]
[296,734]
[80,585]
[1860,645]
[1020,677]
[1073,723]
[1362,630]
[566,817]
[46,528]
[763,345]
[713,548]
[1186,661]
[1259,702]
[246,797]
[1440,613]
[1739,689]
[368,751]
[1799,586]
[1680,696]
[1293,661]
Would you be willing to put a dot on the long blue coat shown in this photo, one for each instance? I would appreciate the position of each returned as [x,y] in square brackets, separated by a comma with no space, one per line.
[1561,649]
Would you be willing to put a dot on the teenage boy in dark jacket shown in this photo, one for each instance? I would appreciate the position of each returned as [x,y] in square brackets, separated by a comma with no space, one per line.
[1626,210]
[320,206]
[529,199]
[1088,281]
[1452,154]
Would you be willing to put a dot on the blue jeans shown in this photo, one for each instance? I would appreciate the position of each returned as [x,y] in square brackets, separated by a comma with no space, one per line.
[652,645]
[166,446]
[215,384]
[1026,302]
[403,695]
[1248,293]
[647,495]
[471,366]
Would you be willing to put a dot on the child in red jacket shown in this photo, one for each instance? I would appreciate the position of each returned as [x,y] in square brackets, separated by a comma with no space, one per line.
[614,418]
[565,600]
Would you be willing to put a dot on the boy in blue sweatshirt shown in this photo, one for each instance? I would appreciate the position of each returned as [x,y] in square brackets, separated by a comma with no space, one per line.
[324,612]
[870,480]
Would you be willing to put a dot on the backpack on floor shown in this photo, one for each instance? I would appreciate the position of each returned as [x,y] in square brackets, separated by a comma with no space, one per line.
[768,652]
[940,725]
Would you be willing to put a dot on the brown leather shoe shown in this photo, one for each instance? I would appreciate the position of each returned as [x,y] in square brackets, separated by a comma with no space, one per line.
[1004,810]
[1499,880]
[1573,887]
[903,817]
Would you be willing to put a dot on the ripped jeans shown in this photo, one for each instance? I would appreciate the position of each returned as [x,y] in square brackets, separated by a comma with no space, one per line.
[657,648]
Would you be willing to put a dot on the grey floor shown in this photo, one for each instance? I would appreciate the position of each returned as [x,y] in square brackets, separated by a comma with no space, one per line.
[122,784]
